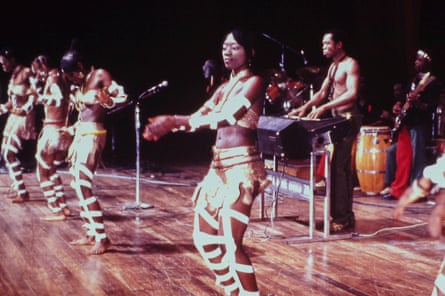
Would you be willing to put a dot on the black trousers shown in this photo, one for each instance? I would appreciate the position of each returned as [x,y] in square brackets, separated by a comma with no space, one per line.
[342,177]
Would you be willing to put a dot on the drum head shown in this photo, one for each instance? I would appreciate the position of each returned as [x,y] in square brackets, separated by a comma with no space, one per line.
[296,94]
[276,89]
[375,129]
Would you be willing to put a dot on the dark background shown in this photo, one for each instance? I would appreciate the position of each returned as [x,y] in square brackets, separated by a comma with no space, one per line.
[145,43]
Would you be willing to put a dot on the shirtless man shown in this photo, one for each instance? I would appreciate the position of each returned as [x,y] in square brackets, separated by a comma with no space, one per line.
[20,125]
[338,94]
[96,92]
[53,89]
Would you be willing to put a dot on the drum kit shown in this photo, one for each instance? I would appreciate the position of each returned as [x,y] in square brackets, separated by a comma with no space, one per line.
[285,92]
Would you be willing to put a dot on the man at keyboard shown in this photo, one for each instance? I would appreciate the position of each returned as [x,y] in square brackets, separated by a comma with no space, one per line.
[338,95]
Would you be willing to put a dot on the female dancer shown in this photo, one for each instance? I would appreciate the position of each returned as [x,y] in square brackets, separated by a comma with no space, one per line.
[224,198]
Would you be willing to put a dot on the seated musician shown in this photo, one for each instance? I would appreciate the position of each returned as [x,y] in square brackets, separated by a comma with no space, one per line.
[340,87]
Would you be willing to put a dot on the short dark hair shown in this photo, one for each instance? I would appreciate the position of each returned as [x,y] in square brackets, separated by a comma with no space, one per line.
[246,38]
[338,35]
[41,60]
[71,61]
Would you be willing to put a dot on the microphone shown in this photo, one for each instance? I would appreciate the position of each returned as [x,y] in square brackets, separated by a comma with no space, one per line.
[154,90]
[305,62]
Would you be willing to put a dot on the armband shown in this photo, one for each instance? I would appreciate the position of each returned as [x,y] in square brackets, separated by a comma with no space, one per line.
[237,104]
[227,115]
[116,95]
[33,81]
[55,96]
[117,92]
[29,105]
[89,97]
[198,120]
[209,105]
[3,109]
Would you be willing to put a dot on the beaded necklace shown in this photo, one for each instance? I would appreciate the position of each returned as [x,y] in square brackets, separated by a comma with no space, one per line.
[231,85]
[331,77]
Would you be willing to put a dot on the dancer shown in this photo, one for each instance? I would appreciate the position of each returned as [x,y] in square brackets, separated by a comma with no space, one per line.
[20,125]
[53,89]
[419,189]
[95,93]
[224,198]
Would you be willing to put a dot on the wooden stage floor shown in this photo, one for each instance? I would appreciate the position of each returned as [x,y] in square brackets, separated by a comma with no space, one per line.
[153,253]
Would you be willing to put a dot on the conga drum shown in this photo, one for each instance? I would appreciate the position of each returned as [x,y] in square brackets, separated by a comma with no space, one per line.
[370,158]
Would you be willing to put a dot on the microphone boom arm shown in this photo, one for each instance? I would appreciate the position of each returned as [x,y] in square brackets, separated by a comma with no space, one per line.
[285,46]
[153,90]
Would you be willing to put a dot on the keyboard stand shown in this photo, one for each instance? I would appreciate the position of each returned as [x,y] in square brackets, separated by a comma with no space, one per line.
[304,189]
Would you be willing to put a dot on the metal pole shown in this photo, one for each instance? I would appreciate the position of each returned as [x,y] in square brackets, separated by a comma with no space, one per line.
[137,124]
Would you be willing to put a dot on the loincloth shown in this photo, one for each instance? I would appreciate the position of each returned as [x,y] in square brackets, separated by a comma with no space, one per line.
[21,126]
[53,139]
[88,143]
[232,169]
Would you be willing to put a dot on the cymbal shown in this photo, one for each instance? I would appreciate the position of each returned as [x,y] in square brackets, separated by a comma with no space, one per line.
[308,73]
[275,75]
[308,70]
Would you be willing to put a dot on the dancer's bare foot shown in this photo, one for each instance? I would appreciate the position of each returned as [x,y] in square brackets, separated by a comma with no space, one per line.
[89,240]
[100,247]
[66,211]
[21,198]
[59,216]
[62,204]
[11,195]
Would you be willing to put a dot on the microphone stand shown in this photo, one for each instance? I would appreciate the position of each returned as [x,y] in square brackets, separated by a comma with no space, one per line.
[282,67]
[137,126]
[283,47]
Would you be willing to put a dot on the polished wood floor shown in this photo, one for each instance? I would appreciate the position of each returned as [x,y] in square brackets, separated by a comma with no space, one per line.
[153,253]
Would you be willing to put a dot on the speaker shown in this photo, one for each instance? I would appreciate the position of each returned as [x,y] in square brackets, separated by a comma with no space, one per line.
[280,137]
